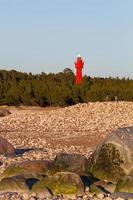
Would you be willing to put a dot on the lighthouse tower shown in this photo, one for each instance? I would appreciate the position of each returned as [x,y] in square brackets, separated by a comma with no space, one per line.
[79,63]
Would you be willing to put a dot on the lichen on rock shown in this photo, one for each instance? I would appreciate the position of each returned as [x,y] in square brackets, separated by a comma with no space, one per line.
[113,158]
[65,183]
[27,169]
[13,184]
[107,166]
[125,184]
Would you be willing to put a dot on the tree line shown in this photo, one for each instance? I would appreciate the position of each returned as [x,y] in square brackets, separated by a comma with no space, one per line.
[17,88]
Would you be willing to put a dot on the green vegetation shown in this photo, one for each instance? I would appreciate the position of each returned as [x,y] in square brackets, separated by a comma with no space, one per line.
[18,88]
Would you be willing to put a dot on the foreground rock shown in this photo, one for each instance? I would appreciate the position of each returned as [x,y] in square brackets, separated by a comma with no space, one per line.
[113,158]
[75,129]
[125,184]
[4,112]
[75,163]
[14,184]
[66,183]
[6,148]
[102,187]
[27,169]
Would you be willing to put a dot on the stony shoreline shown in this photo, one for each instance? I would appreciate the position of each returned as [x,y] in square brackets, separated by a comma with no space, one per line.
[41,134]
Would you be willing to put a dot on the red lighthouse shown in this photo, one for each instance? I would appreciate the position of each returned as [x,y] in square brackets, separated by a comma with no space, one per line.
[79,63]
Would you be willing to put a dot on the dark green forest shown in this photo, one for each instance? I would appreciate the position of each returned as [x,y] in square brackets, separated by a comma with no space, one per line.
[17,88]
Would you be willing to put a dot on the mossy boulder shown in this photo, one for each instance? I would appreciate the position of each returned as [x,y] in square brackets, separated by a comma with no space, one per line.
[113,158]
[66,183]
[27,169]
[75,163]
[13,184]
[125,184]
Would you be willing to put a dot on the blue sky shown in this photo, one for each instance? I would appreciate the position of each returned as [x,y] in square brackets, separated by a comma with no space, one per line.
[47,35]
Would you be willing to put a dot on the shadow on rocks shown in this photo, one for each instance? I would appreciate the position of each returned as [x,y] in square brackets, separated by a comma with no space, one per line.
[88,180]
[30,182]
[21,151]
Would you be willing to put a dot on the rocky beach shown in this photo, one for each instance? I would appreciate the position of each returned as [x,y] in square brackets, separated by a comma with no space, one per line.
[42,133]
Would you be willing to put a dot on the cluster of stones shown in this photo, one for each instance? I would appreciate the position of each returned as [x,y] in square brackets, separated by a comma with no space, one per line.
[65,127]
[109,170]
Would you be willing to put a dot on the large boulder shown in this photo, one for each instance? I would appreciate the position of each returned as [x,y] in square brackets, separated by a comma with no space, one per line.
[125,184]
[113,158]
[69,162]
[13,184]
[4,112]
[65,183]
[27,169]
[6,148]
[35,166]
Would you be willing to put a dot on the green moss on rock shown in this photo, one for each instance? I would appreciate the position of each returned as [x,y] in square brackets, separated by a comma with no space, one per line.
[27,169]
[65,183]
[94,189]
[12,171]
[106,163]
[13,184]
[125,184]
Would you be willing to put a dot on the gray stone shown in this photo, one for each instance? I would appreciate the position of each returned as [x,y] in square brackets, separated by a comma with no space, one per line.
[4,112]
[6,148]
[75,163]
[113,158]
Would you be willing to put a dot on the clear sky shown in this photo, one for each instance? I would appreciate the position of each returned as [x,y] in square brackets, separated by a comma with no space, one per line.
[47,35]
